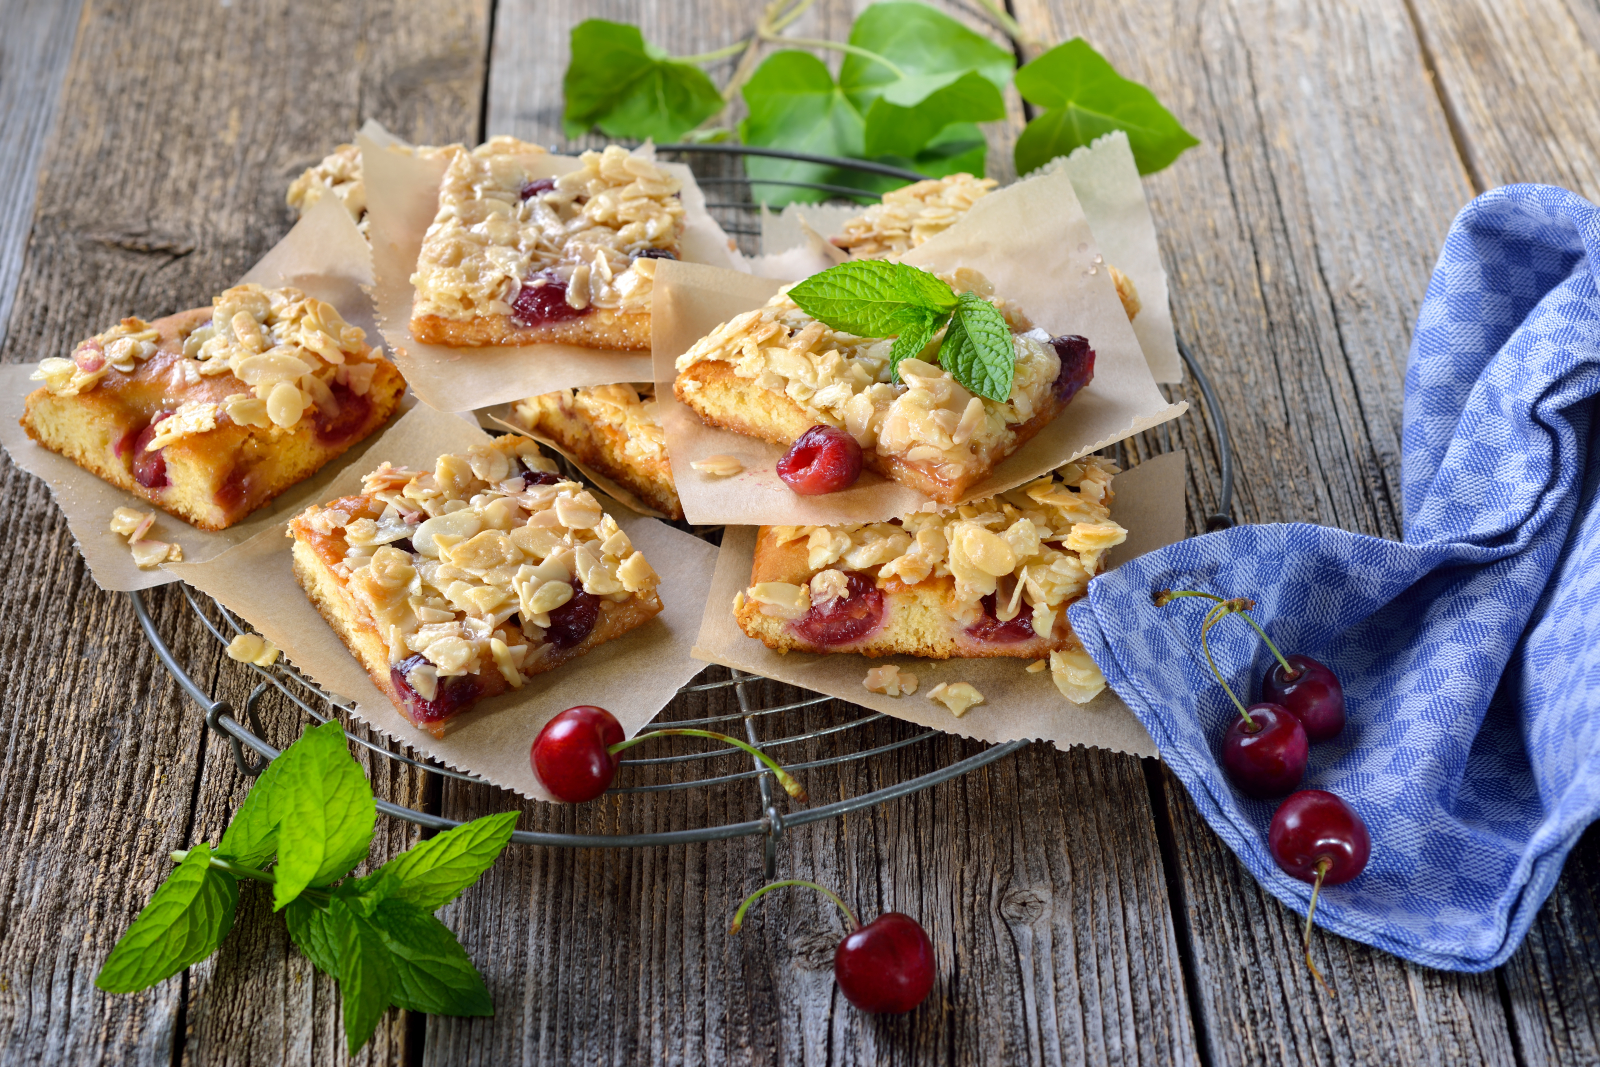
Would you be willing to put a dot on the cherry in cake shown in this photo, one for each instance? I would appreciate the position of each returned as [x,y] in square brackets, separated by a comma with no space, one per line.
[989,579]
[776,373]
[516,259]
[456,584]
[211,413]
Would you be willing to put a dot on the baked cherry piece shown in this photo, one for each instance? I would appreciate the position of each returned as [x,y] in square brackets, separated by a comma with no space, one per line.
[885,967]
[990,628]
[149,468]
[537,186]
[574,620]
[847,619]
[449,695]
[1310,691]
[575,755]
[1317,837]
[348,420]
[825,459]
[656,253]
[532,478]
[1265,751]
[1077,364]
[543,298]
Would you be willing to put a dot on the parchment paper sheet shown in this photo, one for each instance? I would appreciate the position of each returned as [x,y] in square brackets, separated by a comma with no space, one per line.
[1107,182]
[1149,503]
[402,200]
[324,255]
[1033,243]
[504,417]
[633,677]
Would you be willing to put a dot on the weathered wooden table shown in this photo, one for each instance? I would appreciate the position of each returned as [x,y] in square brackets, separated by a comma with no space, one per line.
[1081,909]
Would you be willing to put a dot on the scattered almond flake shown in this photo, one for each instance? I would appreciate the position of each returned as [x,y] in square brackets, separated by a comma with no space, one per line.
[890,680]
[253,648]
[738,600]
[1036,666]
[125,520]
[137,534]
[781,600]
[958,697]
[719,466]
[150,554]
[175,553]
[1076,675]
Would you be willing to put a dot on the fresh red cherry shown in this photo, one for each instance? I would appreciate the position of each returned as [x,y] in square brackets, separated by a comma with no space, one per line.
[572,754]
[1318,838]
[884,967]
[1310,691]
[575,755]
[825,459]
[1265,751]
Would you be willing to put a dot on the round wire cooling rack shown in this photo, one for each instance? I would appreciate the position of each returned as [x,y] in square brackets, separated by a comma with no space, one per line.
[737,212]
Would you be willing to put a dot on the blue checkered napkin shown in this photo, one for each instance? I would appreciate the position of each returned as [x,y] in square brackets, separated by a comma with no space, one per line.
[1469,653]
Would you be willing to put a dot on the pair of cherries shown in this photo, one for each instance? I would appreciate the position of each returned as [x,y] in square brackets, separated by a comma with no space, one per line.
[883,966]
[1315,836]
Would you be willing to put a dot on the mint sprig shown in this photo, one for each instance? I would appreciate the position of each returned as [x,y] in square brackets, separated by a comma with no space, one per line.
[875,298]
[313,810]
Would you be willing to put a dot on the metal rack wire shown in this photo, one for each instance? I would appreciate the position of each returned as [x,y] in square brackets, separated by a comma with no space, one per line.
[252,752]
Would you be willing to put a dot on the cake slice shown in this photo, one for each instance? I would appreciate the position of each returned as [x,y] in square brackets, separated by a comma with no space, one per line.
[908,216]
[775,372]
[210,413]
[338,174]
[455,584]
[986,580]
[513,259]
[614,429]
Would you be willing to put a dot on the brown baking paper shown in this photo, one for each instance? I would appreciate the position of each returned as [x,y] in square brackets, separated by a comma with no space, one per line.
[1149,503]
[1032,242]
[402,200]
[633,677]
[324,255]
[1107,182]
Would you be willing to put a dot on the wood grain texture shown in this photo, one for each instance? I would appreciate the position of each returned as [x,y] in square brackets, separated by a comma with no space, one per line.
[1038,878]
[34,51]
[1299,236]
[1522,81]
[181,127]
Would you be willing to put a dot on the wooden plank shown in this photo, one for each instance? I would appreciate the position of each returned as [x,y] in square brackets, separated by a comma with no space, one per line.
[1038,878]
[1299,237]
[180,130]
[1519,80]
[34,52]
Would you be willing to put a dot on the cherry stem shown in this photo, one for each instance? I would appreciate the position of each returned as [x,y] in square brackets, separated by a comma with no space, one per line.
[738,916]
[1211,619]
[1241,607]
[785,779]
[1322,870]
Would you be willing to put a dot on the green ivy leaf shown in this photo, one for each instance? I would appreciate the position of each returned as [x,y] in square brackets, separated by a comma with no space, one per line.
[327,813]
[978,350]
[630,88]
[892,129]
[184,922]
[873,297]
[1086,98]
[432,873]
[795,104]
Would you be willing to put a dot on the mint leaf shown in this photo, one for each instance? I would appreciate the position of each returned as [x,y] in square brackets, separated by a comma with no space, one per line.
[184,923]
[340,941]
[872,297]
[630,88]
[326,813]
[429,968]
[978,350]
[315,931]
[911,342]
[1087,98]
[252,835]
[795,104]
[434,872]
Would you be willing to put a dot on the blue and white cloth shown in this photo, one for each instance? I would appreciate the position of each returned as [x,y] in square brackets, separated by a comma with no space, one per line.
[1469,653]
